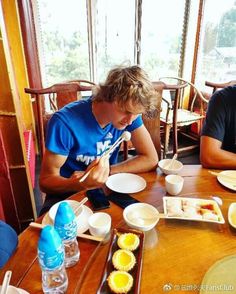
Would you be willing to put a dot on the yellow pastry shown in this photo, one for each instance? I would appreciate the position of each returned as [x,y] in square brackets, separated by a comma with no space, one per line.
[123,260]
[128,241]
[120,281]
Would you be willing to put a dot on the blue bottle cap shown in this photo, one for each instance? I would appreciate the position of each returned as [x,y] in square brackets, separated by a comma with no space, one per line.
[50,248]
[64,215]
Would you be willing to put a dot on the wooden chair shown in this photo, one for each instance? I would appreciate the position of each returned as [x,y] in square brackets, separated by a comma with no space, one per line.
[178,113]
[51,99]
[216,86]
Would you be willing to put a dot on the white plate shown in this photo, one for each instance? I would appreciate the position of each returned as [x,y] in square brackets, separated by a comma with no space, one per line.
[13,290]
[220,278]
[73,203]
[228,183]
[82,220]
[22,291]
[194,201]
[126,183]
[232,214]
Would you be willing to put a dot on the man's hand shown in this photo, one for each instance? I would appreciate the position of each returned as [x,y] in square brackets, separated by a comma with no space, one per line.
[98,172]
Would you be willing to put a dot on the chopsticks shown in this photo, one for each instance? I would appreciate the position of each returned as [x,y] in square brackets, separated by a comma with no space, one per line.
[6,282]
[80,235]
[124,137]
[80,204]
[85,236]
[222,175]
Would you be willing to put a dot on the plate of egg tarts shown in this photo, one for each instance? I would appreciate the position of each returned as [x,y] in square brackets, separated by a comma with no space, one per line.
[122,270]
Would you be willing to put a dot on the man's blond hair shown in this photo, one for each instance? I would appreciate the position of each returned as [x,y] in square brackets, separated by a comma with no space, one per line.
[125,84]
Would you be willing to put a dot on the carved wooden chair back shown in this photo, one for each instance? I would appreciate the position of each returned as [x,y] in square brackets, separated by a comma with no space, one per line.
[49,100]
[216,86]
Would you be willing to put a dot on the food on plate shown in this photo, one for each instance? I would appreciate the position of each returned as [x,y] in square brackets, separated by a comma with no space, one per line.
[196,209]
[191,212]
[120,281]
[208,206]
[174,207]
[122,270]
[128,241]
[123,260]
[210,216]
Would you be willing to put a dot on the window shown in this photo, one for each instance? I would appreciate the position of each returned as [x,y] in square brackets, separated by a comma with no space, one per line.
[62,37]
[116,32]
[115,29]
[161,37]
[217,60]
[62,40]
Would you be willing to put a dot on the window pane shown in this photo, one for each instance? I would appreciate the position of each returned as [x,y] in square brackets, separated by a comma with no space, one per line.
[115,29]
[217,60]
[62,38]
[162,24]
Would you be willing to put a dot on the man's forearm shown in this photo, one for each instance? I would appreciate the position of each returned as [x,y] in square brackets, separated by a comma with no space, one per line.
[58,184]
[136,164]
[221,159]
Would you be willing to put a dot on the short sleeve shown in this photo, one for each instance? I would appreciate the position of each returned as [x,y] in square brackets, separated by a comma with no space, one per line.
[59,139]
[214,125]
[135,124]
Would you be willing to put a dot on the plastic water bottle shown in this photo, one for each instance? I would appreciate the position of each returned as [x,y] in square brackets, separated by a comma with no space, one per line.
[51,256]
[66,225]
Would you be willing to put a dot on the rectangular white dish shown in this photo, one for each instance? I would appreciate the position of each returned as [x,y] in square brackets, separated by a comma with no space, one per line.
[195,209]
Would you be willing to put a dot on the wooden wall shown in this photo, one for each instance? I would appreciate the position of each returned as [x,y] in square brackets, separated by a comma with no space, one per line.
[15,112]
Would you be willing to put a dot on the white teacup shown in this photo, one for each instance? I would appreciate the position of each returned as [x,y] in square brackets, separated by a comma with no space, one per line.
[99,224]
[174,184]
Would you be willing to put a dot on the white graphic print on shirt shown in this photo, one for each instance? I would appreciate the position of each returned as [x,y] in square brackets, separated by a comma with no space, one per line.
[101,147]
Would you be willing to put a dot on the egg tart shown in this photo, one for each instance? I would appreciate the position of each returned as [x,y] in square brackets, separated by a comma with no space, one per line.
[128,241]
[123,260]
[120,281]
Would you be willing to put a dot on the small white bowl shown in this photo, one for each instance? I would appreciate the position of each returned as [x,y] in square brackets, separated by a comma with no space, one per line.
[175,167]
[141,216]
[232,214]
[174,184]
[73,203]
[99,224]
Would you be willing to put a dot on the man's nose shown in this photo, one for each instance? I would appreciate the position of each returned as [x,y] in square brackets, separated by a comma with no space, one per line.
[130,118]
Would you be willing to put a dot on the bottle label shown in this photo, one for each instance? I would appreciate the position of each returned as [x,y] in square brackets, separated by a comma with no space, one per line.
[51,260]
[68,231]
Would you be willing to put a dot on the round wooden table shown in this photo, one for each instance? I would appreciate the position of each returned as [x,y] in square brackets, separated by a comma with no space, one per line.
[177,253]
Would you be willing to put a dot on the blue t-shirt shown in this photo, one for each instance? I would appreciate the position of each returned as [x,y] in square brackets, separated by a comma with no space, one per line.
[74,132]
[220,120]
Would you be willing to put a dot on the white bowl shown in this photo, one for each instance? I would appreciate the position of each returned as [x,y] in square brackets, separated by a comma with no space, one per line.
[74,204]
[141,216]
[232,214]
[175,167]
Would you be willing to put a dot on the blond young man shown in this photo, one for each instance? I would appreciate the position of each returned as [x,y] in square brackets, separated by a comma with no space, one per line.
[82,131]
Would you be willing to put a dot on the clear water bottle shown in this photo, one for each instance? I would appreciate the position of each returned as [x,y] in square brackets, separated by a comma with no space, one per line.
[66,225]
[51,255]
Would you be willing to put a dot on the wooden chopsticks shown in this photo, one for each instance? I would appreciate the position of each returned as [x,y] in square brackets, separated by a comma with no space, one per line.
[80,235]
[105,154]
